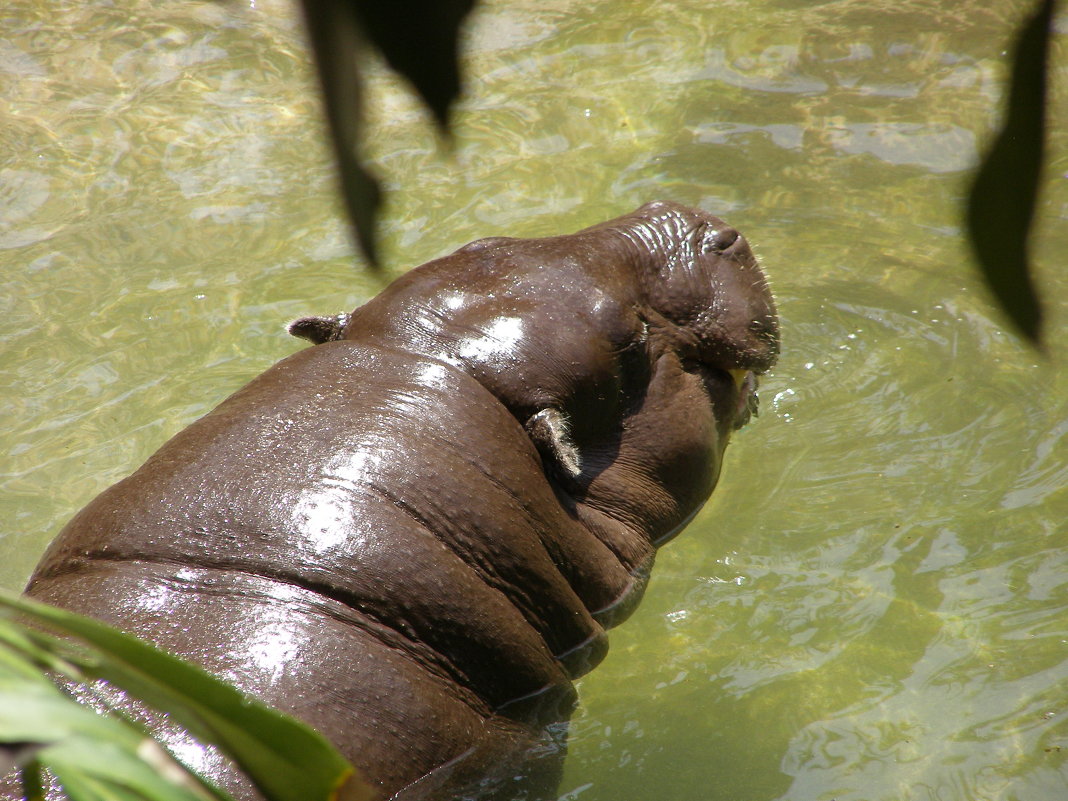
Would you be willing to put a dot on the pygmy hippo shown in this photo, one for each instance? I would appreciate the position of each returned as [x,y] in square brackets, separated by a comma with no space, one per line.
[413,535]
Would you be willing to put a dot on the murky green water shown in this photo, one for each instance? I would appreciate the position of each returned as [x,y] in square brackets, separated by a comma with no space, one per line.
[875,604]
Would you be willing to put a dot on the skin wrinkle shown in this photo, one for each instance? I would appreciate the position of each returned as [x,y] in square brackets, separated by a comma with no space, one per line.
[451,676]
[385,632]
[509,590]
[543,527]
[649,241]
[227,562]
[555,551]
[485,572]
[621,515]
[464,557]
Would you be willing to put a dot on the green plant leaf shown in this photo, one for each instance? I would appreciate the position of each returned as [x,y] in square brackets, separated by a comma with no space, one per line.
[1001,205]
[285,759]
[82,747]
[40,713]
[21,660]
[88,767]
[31,780]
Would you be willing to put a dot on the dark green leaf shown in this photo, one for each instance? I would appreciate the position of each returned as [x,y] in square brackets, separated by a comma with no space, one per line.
[1002,202]
[83,748]
[334,36]
[419,39]
[284,758]
[90,768]
[31,780]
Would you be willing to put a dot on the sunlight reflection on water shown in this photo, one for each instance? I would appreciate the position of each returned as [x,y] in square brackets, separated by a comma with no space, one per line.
[873,604]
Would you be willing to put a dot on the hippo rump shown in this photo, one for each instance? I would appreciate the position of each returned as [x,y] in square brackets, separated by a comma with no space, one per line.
[414,534]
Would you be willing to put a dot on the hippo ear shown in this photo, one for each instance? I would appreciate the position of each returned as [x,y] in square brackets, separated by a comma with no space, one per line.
[551,435]
[319,329]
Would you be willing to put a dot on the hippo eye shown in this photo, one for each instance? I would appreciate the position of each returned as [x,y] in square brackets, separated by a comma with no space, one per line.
[717,240]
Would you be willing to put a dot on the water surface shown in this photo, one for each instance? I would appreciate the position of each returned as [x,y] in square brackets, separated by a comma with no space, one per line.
[875,603]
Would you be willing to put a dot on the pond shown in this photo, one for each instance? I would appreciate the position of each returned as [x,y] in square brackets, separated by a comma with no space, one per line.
[874,605]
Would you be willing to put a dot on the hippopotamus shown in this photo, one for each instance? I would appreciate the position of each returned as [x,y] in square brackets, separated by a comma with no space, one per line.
[413,534]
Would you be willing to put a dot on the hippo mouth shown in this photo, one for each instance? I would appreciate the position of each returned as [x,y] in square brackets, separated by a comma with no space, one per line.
[747,404]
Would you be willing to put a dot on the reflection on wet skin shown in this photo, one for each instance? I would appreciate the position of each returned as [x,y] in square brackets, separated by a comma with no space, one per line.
[497,339]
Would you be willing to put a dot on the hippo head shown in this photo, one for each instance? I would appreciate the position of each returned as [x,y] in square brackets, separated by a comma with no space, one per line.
[710,297]
[709,285]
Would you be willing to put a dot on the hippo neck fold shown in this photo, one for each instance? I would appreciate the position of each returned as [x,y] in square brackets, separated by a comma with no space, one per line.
[665,240]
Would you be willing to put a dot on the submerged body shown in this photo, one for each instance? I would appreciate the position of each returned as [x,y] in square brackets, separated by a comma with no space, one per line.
[413,535]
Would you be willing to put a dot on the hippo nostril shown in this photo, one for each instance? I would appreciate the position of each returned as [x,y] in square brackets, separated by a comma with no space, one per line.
[719,240]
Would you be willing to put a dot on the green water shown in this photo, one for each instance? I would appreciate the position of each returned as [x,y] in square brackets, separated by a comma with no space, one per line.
[873,607]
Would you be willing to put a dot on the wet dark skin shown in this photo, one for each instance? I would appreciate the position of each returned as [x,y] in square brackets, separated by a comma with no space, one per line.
[413,534]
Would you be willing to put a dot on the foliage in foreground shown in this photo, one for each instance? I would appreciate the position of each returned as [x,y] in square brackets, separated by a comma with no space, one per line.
[1002,202]
[419,39]
[97,757]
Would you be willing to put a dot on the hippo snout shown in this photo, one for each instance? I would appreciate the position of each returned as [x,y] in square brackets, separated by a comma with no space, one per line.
[724,240]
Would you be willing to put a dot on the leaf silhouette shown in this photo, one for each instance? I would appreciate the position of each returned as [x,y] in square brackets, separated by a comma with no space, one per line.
[419,39]
[1001,205]
[285,759]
